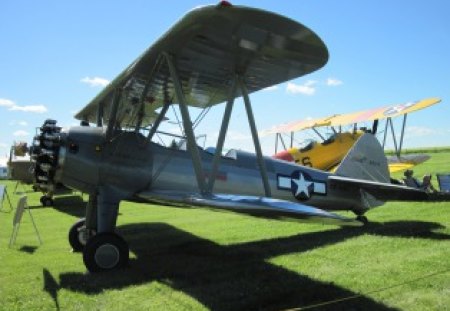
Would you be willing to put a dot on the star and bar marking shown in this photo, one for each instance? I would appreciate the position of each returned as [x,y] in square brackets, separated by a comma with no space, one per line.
[301,185]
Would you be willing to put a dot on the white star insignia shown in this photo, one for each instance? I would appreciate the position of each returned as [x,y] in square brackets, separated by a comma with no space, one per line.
[302,185]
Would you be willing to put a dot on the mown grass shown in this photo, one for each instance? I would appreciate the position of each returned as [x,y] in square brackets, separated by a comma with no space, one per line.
[195,259]
[421,150]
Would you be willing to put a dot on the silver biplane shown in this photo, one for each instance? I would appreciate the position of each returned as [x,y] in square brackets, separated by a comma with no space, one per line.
[214,54]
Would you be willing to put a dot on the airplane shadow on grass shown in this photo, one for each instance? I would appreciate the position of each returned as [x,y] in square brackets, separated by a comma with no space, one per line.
[233,277]
[73,205]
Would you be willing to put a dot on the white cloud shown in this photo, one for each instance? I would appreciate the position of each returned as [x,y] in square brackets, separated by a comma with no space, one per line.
[6,102]
[306,88]
[3,145]
[271,88]
[419,131]
[21,133]
[29,108]
[236,135]
[95,81]
[21,123]
[333,82]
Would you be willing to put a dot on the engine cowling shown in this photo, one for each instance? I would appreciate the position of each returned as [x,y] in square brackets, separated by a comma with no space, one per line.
[44,153]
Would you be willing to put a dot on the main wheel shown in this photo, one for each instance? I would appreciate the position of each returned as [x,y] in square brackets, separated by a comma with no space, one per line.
[105,251]
[78,235]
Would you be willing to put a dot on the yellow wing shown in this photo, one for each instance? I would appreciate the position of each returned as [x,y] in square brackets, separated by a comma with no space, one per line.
[398,167]
[391,111]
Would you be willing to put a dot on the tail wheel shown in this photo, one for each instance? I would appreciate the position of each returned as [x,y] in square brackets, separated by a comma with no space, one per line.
[104,252]
[46,201]
[362,219]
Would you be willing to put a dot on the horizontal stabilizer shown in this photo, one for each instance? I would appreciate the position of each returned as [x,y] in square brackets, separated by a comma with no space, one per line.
[252,205]
[381,191]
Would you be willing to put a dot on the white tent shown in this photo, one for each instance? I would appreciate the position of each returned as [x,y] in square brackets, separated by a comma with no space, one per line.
[3,168]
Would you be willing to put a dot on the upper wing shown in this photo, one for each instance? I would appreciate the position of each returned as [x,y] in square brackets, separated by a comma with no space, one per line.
[355,117]
[391,111]
[298,126]
[210,45]
[251,205]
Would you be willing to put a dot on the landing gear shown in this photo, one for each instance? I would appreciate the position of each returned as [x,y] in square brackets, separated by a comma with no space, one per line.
[78,235]
[362,219]
[46,201]
[105,251]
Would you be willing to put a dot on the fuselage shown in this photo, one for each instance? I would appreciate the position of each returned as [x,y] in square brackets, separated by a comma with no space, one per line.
[323,156]
[131,164]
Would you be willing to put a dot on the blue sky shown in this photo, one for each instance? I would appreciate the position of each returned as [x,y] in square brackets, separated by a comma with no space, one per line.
[56,55]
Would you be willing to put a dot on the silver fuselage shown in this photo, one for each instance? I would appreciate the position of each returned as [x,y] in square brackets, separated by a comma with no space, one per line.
[131,164]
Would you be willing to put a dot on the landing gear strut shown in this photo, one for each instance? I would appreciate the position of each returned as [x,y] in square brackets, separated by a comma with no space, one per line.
[103,250]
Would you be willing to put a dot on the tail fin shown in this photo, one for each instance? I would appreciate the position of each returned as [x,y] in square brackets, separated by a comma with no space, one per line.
[365,160]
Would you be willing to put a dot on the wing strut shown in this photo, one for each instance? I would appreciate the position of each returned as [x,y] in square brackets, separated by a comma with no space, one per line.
[402,135]
[280,138]
[112,116]
[251,121]
[189,132]
[187,124]
[100,115]
[398,148]
[385,132]
[318,133]
[222,133]
[158,121]
[393,135]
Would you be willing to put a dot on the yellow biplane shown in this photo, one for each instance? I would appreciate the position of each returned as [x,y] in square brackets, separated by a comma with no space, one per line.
[329,152]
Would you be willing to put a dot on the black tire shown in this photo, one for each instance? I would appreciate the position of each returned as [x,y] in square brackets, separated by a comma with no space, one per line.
[46,201]
[77,238]
[362,219]
[104,252]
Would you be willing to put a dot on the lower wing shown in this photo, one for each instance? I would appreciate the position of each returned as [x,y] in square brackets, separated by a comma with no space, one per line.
[251,205]
[404,162]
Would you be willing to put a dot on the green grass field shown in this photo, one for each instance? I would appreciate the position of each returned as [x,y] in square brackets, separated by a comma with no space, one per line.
[195,259]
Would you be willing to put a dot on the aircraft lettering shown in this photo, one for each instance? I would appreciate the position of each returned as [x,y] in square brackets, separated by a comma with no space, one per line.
[306,161]
[374,163]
